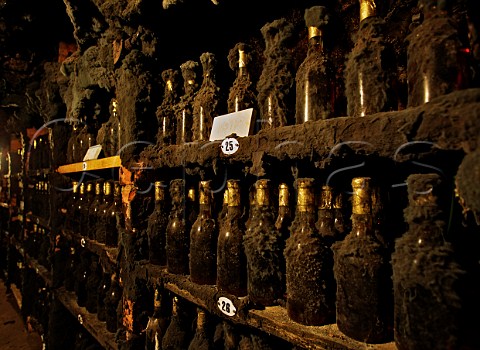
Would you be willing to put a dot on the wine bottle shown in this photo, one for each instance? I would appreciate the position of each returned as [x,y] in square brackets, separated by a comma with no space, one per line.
[72,263]
[339,218]
[263,250]
[112,300]
[177,236]
[426,275]
[70,206]
[178,334]
[158,322]
[114,213]
[310,284]
[315,89]
[205,103]
[107,200]
[157,225]
[370,69]
[223,213]
[276,80]
[203,240]
[165,112]
[241,95]
[85,209]
[184,108]
[363,275]
[231,261]
[202,339]
[102,291]
[82,273]
[284,218]
[326,217]
[93,282]
[94,209]
[435,61]
[77,213]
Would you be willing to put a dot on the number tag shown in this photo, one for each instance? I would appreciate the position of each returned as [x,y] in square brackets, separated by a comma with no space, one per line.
[84,166]
[226,306]
[230,145]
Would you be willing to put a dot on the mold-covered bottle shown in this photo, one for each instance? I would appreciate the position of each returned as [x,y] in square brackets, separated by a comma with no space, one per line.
[206,102]
[241,95]
[184,108]
[179,332]
[363,275]
[263,249]
[157,226]
[436,61]
[284,217]
[113,298]
[202,339]
[315,89]
[277,79]
[167,125]
[203,240]
[231,261]
[426,275]
[177,235]
[326,217]
[370,69]
[310,284]
[157,323]
[102,290]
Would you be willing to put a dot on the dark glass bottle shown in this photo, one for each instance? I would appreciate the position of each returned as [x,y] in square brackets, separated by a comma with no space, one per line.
[184,108]
[370,69]
[277,79]
[102,292]
[94,210]
[263,249]
[70,206]
[339,221]
[179,333]
[114,296]
[202,339]
[82,272]
[157,226]
[72,264]
[165,112]
[241,95]
[363,275]
[231,261]
[284,218]
[177,236]
[94,279]
[107,200]
[426,276]
[158,322]
[326,217]
[205,104]
[77,220]
[223,213]
[203,240]
[85,209]
[310,284]
[113,217]
[315,90]
[436,63]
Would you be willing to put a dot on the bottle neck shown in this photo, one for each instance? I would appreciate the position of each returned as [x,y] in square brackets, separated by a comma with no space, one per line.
[205,210]
[362,225]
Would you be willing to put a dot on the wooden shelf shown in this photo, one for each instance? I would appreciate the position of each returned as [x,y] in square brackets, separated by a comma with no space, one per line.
[89,321]
[272,320]
[91,165]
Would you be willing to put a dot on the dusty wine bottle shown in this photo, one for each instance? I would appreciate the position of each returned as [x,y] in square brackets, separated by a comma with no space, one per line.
[370,69]
[177,236]
[426,276]
[205,104]
[94,208]
[113,298]
[157,226]
[284,218]
[158,323]
[241,95]
[326,219]
[310,284]
[184,108]
[102,216]
[114,213]
[263,250]
[85,210]
[339,221]
[315,90]
[202,339]
[165,112]
[231,262]
[203,240]
[223,213]
[363,275]
[179,333]
[435,61]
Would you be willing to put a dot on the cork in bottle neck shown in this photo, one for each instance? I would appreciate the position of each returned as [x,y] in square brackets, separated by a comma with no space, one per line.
[326,198]
[233,188]
[169,85]
[361,199]
[368,8]
[159,191]
[306,198]
[262,195]
[283,195]
[241,59]
[75,187]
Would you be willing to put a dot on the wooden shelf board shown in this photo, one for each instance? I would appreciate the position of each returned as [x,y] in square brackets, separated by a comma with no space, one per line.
[91,165]
[89,321]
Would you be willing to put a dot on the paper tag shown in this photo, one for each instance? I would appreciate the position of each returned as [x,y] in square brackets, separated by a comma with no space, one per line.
[226,306]
[230,146]
[93,152]
[239,123]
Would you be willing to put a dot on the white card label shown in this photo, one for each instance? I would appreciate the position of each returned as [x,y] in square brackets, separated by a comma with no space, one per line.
[238,123]
[226,306]
[93,152]
[230,145]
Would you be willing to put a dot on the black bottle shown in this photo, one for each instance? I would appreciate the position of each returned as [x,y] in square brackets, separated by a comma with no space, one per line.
[363,275]
[82,272]
[179,332]
[157,226]
[310,283]
[263,249]
[203,240]
[102,290]
[426,276]
[112,300]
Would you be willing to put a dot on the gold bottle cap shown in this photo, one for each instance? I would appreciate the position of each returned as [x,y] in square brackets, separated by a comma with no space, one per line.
[314,32]
[326,198]
[89,187]
[233,187]
[107,188]
[205,192]
[169,85]
[241,58]
[262,197]
[75,187]
[98,186]
[361,199]
[159,191]
[191,195]
[283,195]
[367,9]
[306,198]
[82,188]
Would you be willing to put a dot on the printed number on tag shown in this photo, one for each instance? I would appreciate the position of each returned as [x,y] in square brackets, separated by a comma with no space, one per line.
[230,145]
[226,306]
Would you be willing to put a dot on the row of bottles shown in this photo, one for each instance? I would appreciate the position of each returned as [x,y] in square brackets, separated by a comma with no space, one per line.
[372,82]
[94,209]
